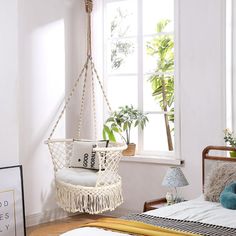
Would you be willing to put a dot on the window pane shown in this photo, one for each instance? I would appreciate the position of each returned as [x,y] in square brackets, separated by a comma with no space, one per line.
[122,56]
[122,18]
[133,137]
[156,10]
[122,90]
[155,133]
[147,68]
[150,60]
[158,93]
[158,54]
[149,102]
[158,84]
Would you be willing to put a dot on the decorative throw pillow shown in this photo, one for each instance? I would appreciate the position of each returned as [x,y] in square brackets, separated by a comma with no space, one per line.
[221,175]
[228,197]
[84,156]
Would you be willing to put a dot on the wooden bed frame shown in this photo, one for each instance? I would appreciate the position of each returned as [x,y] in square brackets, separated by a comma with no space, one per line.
[207,156]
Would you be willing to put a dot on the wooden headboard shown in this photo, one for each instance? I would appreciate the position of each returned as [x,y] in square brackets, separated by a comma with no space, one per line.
[206,156]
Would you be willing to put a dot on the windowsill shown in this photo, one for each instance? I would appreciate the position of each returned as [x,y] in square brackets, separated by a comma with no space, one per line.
[152,160]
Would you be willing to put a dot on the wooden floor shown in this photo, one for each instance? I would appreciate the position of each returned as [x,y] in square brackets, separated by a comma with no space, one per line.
[60,226]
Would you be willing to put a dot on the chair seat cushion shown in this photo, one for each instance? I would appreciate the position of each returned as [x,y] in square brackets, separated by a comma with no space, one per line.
[228,197]
[77,176]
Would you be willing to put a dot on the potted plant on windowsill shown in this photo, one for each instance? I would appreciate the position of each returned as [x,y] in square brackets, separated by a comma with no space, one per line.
[121,122]
[229,138]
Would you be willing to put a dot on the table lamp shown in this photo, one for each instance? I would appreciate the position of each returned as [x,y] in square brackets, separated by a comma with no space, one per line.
[174,178]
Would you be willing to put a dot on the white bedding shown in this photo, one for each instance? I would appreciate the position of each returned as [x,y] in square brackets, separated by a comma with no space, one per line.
[194,210]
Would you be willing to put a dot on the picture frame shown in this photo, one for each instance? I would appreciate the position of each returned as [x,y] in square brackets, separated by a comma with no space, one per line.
[12,207]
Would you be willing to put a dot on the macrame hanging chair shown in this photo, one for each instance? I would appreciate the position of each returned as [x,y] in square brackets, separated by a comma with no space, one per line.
[101,191]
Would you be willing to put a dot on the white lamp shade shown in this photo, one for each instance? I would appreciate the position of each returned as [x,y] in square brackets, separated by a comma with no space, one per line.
[174,178]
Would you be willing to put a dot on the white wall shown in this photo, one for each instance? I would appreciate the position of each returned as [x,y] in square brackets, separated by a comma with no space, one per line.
[8,83]
[52,50]
[202,82]
[42,86]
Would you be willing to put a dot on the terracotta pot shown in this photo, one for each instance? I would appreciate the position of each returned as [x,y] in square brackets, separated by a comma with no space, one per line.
[130,151]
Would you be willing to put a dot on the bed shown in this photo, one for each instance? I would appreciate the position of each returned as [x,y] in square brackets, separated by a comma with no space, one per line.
[196,216]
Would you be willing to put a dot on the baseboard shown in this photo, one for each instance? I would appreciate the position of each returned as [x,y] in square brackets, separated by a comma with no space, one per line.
[44,217]
[57,213]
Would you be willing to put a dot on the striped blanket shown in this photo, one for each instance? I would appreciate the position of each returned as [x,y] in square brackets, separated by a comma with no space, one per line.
[142,224]
[183,225]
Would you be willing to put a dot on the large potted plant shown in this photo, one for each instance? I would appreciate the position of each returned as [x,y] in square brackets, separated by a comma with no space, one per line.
[121,122]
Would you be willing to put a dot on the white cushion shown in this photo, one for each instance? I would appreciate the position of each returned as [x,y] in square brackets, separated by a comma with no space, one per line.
[77,176]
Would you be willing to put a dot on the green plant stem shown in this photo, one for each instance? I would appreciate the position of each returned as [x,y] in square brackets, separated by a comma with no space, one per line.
[167,125]
[122,137]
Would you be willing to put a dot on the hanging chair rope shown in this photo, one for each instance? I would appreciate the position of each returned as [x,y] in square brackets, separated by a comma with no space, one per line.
[82,102]
[89,47]
[67,101]
[102,88]
[89,9]
[89,64]
[94,104]
[88,6]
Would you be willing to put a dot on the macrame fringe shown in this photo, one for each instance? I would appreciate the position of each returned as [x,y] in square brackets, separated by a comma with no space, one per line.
[85,199]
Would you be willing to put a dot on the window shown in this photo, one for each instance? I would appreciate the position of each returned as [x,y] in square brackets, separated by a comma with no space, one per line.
[139,67]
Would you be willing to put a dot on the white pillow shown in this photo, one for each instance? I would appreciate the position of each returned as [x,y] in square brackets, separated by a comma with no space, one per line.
[84,156]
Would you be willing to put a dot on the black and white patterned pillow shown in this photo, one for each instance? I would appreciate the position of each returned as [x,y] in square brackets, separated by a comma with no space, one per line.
[83,154]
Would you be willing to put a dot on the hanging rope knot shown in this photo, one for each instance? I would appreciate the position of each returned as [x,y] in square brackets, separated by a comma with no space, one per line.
[89,6]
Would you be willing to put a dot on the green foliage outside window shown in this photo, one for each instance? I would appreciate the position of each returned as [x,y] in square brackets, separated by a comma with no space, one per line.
[121,48]
[162,80]
[230,138]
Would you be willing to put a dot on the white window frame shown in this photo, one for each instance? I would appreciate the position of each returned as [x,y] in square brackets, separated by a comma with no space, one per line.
[230,84]
[228,64]
[176,154]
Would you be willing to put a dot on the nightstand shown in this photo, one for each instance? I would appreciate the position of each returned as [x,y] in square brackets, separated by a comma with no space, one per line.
[154,204]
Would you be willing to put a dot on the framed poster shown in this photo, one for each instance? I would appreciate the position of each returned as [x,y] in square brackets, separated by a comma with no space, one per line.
[12,211]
